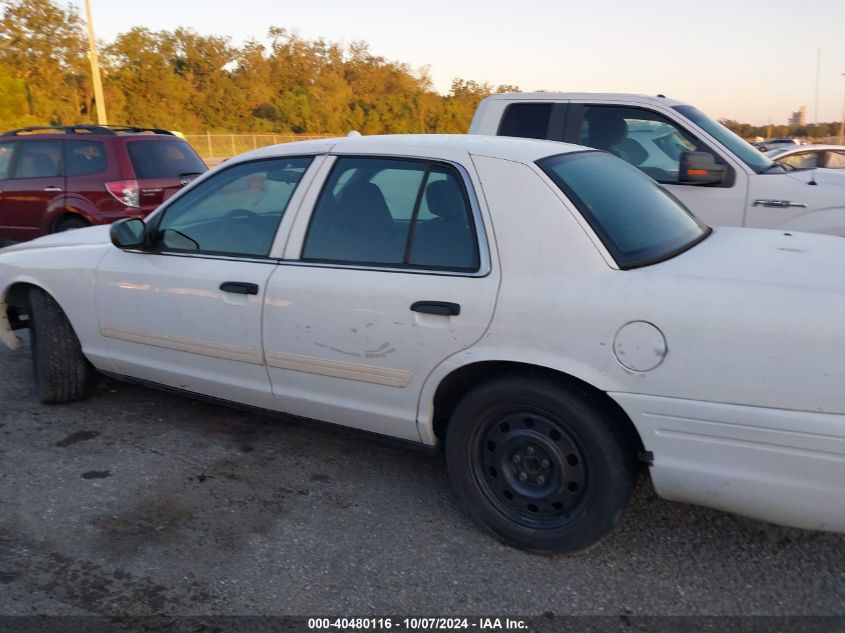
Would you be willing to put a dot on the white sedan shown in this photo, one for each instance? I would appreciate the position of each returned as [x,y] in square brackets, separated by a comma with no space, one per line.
[809,156]
[546,314]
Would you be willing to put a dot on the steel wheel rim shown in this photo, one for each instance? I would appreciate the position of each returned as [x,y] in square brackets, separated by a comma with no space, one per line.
[531,467]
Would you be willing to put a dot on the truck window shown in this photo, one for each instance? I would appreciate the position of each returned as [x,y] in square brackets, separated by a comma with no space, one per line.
[526,120]
[641,137]
[746,152]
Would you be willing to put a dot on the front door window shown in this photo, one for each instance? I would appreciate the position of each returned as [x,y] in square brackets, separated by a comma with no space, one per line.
[235,212]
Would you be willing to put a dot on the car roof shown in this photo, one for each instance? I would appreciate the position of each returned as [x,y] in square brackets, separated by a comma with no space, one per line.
[812,148]
[86,130]
[623,98]
[509,148]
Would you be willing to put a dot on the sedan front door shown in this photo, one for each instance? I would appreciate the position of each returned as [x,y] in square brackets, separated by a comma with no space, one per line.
[187,312]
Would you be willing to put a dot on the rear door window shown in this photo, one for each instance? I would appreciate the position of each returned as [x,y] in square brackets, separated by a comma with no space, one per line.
[39,159]
[157,158]
[393,213]
[84,157]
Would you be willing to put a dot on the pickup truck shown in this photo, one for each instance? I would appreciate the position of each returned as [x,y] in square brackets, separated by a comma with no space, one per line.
[721,178]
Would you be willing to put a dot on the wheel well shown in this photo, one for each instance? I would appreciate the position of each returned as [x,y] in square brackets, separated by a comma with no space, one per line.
[17,304]
[453,387]
[66,215]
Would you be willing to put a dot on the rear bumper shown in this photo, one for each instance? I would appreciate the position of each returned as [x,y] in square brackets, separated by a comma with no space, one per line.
[785,467]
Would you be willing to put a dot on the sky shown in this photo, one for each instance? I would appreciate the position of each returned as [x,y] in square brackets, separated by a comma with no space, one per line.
[748,60]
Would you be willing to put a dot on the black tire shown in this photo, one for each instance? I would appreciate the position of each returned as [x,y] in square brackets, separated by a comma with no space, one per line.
[62,373]
[543,466]
[71,223]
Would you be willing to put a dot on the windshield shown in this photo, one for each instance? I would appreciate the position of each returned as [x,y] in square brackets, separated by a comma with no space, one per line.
[746,152]
[778,151]
[638,221]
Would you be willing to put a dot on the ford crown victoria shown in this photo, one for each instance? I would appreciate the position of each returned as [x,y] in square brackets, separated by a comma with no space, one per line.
[546,314]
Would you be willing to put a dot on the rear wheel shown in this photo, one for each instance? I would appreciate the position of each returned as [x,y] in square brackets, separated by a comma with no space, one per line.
[71,223]
[543,466]
[62,373]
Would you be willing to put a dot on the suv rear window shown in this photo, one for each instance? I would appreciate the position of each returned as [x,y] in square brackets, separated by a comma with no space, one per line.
[163,159]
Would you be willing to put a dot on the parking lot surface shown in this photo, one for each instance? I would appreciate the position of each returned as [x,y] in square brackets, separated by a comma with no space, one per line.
[140,502]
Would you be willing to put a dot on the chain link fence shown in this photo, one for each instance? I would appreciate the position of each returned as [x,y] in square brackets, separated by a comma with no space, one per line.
[214,148]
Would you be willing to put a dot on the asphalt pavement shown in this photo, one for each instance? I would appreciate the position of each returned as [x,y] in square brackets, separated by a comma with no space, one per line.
[139,502]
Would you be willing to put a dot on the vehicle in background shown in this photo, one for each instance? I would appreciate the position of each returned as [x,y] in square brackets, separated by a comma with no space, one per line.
[58,178]
[810,156]
[544,313]
[774,143]
[720,177]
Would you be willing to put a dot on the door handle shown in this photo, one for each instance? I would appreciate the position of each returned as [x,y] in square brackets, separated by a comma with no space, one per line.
[52,189]
[239,287]
[443,308]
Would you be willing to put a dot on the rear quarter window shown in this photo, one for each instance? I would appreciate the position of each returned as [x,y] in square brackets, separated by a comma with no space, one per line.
[163,159]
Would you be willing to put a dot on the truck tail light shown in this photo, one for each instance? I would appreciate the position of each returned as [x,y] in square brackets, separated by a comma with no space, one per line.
[125,191]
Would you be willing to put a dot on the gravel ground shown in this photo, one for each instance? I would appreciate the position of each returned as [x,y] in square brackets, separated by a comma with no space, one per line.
[139,502]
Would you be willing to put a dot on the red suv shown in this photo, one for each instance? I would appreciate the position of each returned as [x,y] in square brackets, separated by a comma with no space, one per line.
[66,177]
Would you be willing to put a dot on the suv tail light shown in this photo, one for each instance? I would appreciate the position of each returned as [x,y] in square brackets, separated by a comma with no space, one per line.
[125,191]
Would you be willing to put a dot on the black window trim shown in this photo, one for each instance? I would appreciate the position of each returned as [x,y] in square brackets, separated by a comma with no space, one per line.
[152,227]
[476,223]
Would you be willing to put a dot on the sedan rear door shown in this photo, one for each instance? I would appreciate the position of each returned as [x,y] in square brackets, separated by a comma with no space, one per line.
[387,273]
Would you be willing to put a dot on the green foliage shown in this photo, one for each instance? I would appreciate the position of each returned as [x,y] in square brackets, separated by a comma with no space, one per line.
[811,130]
[185,81]
[42,45]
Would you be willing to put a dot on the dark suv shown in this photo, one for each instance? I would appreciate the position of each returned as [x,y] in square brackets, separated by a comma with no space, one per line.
[67,177]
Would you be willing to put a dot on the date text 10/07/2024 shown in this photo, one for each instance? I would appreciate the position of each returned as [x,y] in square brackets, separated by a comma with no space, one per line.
[417,624]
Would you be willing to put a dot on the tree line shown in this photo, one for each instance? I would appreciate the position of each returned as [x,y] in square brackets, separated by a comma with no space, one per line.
[185,81]
[810,130]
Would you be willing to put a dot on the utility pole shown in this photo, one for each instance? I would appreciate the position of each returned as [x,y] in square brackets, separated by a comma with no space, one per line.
[95,68]
[818,70]
[842,124]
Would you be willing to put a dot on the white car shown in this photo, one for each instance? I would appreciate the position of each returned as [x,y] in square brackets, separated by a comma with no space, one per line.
[545,313]
[810,156]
